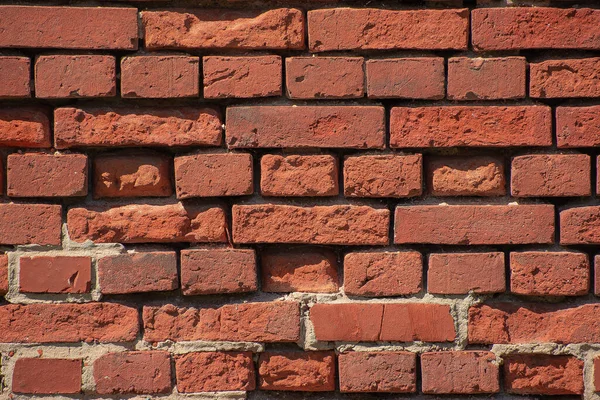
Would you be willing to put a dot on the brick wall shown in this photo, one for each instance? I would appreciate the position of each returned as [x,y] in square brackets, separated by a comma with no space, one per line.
[249,199]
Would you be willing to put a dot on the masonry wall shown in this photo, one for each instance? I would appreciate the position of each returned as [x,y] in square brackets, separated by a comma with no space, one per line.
[299,200]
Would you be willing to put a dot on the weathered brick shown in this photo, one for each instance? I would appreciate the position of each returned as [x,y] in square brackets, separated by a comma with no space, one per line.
[138,272]
[378,29]
[597,374]
[460,372]
[383,176]
[466,176]
[297,175]
[487,78]
[375,322]
[46,376]
[381,371]
[501,323]
[543,374]
[565,78]
[15,77]
[343,224]
[460,273]
[47,175]
[324,77]
[3,274]
[475,224]
[406,78]
[470,126]
[277,321]
[66,76]
[135,372]
[276,29]
[216,271]
[93,28]
[311,371]
[143,223]
[131,127]
[378,274]
[210,175]
[215,371]
[300,270]
[160,76]
[55,274]
[579,225]
[559,175]
[517,28]
[132,175]
[68,323]
[358,127]
[24,127]
[549,273]
[578,126]
[30,224]
[242,77]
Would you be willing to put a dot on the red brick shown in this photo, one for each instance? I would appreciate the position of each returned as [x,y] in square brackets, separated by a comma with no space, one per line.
[377,29]
[24,127]
[15,77]
[217,271]
[68,323]
[133,127]
[242,77]
[3,274]
[461,273]
[47,175]
[277,321]
[211,175]
[378,274]
[358,127]
[377,322]
[475,224]
[517,28]
[343,224]
[132,175]
[378,372]
[215,371]
[406,78]
[383,176]
[470,126]
[311,371]
[597,374]
[578,126]
[579,225]
[30,224]
[501,323]
[466,176]
[543,374]
[549,273]
[65,76]
[565,78]
[541,175]
[55,274]
[139,372]
[297,175]
[93,28]
[324,77]
[46,376]
[151,271]
[300,270]
[276,29]
[460,372]
[160,76]
[143,223]
[487,78]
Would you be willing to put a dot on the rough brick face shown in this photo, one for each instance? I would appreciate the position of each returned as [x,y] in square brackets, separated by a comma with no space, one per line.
[51,376]
[61,274]
[24,127]
[578,126]
[579,225]
[47,175]
[215,371]
[242,77]
[160,76]
[543,374]
[409,78]
[466,176]
[15,73]
[460,273]
[63,76]
[3,274]
[298,176]
[382,372]
[565,78]
[297,371]
[30,224]
[324,77]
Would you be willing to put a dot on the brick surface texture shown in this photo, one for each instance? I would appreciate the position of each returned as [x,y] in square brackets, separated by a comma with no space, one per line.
[300,199]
